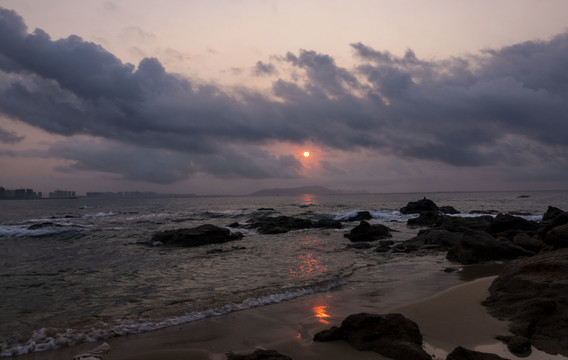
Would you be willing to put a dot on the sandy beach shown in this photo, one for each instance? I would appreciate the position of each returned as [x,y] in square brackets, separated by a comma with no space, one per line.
[448,319]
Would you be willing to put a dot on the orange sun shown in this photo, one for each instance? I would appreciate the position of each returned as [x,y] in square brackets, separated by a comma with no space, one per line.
[306,153]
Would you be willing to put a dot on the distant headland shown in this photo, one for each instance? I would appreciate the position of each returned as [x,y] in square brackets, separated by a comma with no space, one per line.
[314,190]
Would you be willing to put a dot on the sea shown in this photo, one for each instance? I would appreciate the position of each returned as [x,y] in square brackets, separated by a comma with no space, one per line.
[83,270]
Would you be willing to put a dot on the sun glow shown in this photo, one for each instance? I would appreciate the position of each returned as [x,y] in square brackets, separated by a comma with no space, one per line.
[306,153]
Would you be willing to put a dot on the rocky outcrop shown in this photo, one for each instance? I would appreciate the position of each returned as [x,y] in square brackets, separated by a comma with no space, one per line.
[391,335]
[283,224]
[461,353]
[260,354]
[478,247]
[367,232]
[418,207]
[532,293]
[198,236]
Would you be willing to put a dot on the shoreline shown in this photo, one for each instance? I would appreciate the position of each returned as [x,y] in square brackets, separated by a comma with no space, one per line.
[450,318]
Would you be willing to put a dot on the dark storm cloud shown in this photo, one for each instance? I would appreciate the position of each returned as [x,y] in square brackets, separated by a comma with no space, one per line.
[10,137]
[469,111]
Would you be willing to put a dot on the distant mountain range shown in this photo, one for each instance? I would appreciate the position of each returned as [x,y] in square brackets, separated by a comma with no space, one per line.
[314,189]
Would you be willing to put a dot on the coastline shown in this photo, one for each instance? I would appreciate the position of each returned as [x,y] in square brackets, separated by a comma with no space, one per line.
[447,319]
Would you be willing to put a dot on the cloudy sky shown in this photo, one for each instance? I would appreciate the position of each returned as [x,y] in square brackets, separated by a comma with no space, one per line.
[223,97]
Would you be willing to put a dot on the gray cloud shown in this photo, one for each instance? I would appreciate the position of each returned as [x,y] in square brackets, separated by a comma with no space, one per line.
[504,107]
[261,69]
[10,137]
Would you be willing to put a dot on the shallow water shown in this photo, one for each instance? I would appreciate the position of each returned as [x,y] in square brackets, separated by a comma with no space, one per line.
[87,271]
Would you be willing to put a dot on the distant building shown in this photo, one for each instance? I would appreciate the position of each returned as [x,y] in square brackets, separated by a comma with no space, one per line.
[18,194]
[62,194]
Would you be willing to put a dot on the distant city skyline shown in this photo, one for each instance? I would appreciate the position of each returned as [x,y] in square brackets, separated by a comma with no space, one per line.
[225,97]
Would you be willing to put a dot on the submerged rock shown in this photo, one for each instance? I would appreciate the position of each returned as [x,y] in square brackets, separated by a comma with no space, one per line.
[198,236]
[532,293]
[367,232]
[391,335]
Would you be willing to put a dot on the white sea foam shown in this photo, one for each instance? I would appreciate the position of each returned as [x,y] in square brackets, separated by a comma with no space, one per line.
[388,215]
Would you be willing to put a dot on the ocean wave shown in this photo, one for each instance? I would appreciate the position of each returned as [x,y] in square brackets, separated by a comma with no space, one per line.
[388,215]
[53,338]
[33,231]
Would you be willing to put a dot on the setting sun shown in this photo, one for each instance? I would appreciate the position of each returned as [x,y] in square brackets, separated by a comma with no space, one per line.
[306,153]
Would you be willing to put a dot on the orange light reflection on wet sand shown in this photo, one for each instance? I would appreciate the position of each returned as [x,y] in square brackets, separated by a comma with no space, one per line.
[321,314]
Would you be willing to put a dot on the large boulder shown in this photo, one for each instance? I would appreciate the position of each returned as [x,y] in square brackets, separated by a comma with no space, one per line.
[532,293]
[198,236]
[528,242]
[390,335]
[417,207]
[477,247]
[558,237]
[367,232]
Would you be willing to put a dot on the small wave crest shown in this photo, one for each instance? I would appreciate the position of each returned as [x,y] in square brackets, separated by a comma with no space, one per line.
[32,231]
[388,215]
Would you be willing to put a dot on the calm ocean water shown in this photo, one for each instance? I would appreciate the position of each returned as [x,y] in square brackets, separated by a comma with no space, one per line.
[87,274]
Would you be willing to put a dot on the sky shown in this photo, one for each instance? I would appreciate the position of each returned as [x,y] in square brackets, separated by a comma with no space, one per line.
[225,96]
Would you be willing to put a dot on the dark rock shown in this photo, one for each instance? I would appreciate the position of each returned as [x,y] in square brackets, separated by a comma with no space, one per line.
[278,224]
[198,236]
[390,335]
[509,225]
[551,213]
[461,224]
[438,237]
[360,216]
[384,246]
[328,224]
[546,226]
[478,247]
[518,345]
[259,355]
[448,210]
[426,218]
[417,207]
[529,243]
[532,293]
[461,353]
[367,232]
[234,225]
[558,237]
[265,209]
